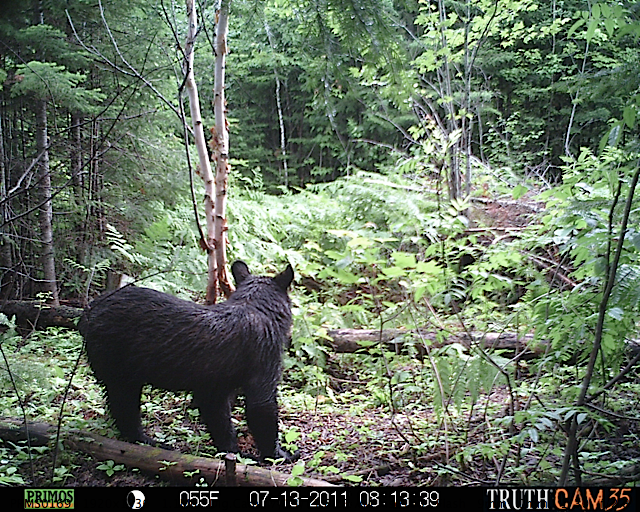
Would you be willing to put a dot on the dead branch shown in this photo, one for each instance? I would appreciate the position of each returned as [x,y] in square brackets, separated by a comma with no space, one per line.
[38,315]
[348,340]
[32,314]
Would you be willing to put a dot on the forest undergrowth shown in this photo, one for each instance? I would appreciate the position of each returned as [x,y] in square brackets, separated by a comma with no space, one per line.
[381,252]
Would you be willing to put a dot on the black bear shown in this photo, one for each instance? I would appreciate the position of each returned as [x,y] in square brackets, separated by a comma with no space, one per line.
[138,336]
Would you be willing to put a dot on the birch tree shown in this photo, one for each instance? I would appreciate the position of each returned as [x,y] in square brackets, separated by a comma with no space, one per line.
[215,194]
[220,148]
[211,243]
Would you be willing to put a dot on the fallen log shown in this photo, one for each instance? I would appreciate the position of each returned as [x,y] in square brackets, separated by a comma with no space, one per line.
[349,340]
[174,467]
[34,314]
[38,315]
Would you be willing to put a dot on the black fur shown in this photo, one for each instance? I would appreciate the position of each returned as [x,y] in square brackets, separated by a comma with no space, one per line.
[139,336]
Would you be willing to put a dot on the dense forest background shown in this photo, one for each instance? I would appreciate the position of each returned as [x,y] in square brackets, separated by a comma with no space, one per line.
[442,167]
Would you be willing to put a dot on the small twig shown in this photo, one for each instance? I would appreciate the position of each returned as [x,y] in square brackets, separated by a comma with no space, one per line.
[611,413]
[615,379]
[64,400]
[538,261]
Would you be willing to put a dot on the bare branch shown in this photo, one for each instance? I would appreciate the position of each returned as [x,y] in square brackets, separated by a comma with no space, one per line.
[129,70]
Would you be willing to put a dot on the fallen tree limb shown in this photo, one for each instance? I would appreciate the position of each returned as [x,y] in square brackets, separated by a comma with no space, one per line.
[38,315]
[175,467]
[622,477]
[348,340]
[33,314]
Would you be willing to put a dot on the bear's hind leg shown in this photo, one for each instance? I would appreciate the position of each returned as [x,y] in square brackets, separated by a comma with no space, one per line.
[262,418]
[124,404]
[215,412]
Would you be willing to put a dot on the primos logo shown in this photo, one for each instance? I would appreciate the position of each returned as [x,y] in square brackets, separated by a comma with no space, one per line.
[48,498]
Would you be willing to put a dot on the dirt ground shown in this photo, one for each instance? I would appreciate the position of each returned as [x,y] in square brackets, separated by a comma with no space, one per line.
[372,445]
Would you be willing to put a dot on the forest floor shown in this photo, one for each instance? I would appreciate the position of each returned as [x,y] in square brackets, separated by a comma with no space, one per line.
[337,441]
[348,437]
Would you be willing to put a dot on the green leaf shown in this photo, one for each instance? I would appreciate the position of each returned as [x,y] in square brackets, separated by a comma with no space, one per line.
[404,260]
[291,436]
[428,267]
[574,27]
[298,469]
[519,191]
[344,262]
[610,25]
[359,241]
[347,277]
[295,481]
[593,24]
[393,272]
[629,116]
[614,134]
[616,313]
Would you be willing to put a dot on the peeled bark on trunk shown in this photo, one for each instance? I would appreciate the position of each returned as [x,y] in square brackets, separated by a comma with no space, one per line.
[203,157]
[220,146]
[283,140]
[46,209]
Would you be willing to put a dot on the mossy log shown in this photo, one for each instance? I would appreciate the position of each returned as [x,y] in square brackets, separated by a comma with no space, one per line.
[351,340]
[172,466]
[39,315]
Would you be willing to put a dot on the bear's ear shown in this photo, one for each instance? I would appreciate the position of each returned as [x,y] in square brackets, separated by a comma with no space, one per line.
[240,271]
[284,278]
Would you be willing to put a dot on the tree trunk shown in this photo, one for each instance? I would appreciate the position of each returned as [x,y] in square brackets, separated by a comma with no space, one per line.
[283,138]
[76,155]
[93,212]
[46,208]
[348,340]
[203,157]
[467,123]
[6,257]
[446,76]
[220,146]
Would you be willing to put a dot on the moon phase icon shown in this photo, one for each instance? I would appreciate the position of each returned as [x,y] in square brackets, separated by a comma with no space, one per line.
[135,500]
